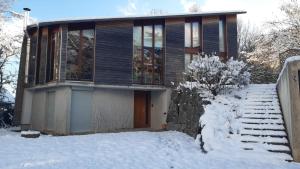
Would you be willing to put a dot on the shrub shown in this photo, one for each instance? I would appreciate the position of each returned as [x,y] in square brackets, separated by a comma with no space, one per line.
[213,74]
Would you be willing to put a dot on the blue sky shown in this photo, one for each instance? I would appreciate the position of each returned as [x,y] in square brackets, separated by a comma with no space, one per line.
[54,9]
[258,11]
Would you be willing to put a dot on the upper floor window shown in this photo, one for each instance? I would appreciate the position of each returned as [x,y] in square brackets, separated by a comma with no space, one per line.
[193,40]
[148,54]
[222,37]
[80,55]
[53,54]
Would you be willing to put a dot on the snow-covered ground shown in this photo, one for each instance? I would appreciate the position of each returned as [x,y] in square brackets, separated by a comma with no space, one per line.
[148,150]
[247,118]
[145,150]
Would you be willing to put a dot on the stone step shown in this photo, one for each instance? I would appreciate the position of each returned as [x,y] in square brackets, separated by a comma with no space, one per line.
[265,121]
[282,140]
[277,116]
[264,126]
[264,113]
[261,118]
[262,123]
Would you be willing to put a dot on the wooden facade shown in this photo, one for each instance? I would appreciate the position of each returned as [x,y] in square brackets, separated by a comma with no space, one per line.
[112,49]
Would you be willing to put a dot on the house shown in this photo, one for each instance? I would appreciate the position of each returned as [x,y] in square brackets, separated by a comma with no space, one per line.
[107,74]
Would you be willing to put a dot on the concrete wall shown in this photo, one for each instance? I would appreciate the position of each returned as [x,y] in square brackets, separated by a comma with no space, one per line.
[113,109]
[38,111]
[289,95]
[108,109]
[160,102]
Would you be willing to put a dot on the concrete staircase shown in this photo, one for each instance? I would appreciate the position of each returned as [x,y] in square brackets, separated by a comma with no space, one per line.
[262,125]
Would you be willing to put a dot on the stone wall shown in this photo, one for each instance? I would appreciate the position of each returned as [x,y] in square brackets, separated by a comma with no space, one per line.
[185,111]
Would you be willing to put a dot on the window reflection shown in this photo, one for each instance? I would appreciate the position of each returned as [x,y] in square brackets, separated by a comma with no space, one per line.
[80,55]
[195,29]
[137,53]
[221,35]
[187,35]
[148,69]
[148,52]
[192,40]
[158,54]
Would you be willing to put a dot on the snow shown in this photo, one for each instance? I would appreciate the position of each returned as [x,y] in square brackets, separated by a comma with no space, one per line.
[29,132]
[144,150]
[162,150]
[287,61]
[252,122]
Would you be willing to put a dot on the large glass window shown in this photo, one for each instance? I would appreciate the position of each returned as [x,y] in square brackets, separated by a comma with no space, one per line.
[148,54]
[192,40]
[188,35]
[80,55]
[137,54]
[53,55]
[222,35]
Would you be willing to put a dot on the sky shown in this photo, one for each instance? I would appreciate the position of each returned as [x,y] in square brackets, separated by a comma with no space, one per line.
[258,11]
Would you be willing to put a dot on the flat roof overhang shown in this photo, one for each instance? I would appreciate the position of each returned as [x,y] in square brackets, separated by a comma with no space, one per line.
[97,19]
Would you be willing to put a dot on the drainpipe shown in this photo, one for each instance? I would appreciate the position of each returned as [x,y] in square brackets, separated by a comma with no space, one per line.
[25,23]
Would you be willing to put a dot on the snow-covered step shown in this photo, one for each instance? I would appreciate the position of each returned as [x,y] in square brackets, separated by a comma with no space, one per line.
[262,125]
[275,140]
[268,147]
[274,116]
[264,121]
[266,133]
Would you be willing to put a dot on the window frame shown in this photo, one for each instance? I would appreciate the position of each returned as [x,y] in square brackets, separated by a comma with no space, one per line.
[151,23]
[81,27]
[223,54]
[50,71]
[191,51]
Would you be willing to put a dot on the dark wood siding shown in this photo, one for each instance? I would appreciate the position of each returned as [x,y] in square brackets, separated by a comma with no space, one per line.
[113,53]
[210,35]
[63,53]
[174,62]
[43,55]
[232,47]
[20,84]
[32,58]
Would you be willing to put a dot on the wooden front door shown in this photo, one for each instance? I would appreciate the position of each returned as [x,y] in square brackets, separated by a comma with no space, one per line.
[141,109]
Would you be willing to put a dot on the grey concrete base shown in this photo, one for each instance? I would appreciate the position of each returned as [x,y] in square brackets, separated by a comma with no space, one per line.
[65,110]
[289,94]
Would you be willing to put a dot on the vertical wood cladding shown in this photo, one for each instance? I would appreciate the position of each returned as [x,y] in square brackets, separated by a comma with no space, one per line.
[174,62]
[63,52]
[113,53]
[232,47]
[210,34]
[32,58]
[20,84]
[43,55]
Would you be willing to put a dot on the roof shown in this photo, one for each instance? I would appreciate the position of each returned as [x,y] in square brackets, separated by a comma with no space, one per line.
[97,19]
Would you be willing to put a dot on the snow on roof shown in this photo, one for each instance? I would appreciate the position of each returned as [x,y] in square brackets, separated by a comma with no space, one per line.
[287,61]
[89,19]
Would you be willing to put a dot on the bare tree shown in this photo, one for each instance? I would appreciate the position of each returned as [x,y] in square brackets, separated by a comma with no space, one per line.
[248,37]
[10,44]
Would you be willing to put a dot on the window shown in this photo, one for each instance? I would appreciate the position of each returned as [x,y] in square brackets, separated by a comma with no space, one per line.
[80,55]
[193,40]
[53,55]
[148,54]
[222,37]
[137,54]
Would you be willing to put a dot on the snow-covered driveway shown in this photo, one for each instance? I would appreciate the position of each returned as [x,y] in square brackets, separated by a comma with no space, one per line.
[145,150]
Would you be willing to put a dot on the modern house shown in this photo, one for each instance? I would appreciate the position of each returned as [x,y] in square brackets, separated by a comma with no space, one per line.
[107,74]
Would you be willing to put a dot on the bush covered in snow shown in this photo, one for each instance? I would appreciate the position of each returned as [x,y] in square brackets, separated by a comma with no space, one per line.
[213,74]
